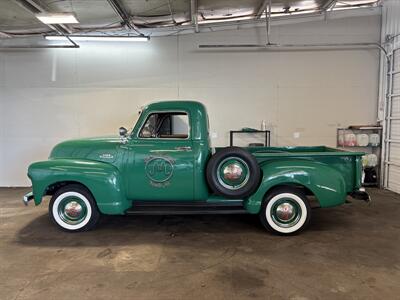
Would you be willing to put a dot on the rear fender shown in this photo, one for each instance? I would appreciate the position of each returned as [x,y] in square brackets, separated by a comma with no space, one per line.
[103,181]
[324,182]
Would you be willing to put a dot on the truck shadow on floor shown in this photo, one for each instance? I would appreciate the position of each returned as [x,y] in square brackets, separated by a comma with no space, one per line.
[131,230]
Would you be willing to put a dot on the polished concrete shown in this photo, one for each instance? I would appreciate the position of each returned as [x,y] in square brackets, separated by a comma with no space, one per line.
[348,252]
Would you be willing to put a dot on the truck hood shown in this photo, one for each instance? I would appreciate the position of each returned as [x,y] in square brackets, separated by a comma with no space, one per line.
[97,148]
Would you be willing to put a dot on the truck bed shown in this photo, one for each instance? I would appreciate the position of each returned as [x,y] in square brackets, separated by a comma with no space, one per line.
[299,151]
[346,162]
[261,152]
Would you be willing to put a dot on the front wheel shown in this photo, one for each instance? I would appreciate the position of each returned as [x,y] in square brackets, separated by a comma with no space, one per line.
[73,208]
[285,211]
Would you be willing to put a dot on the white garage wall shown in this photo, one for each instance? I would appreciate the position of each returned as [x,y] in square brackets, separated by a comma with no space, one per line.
[49,95]
[390,102]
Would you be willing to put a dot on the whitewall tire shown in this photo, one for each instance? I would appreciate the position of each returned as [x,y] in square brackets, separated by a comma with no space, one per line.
[73,208]
[285,211]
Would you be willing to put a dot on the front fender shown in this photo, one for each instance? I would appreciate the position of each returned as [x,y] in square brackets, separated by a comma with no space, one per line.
[326,183]
[102,179]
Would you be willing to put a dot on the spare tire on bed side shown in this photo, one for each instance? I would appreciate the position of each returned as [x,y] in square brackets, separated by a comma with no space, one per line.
[233,172]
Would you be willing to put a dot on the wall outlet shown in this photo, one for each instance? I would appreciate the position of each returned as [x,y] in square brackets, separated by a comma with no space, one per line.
[296,135]
[214,135]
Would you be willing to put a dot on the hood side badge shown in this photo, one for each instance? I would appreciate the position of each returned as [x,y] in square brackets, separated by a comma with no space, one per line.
[106,156]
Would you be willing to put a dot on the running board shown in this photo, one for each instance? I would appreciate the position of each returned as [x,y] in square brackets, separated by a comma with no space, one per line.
[185,208]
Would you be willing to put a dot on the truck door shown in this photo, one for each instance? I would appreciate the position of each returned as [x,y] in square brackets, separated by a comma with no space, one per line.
[163,159]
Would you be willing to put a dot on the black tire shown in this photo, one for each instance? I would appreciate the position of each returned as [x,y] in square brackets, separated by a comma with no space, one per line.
[83,214]
[274,220]
[246,160]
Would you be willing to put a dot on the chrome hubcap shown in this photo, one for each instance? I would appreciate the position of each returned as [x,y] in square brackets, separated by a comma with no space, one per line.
[285,212]
[73,209]
[233,172]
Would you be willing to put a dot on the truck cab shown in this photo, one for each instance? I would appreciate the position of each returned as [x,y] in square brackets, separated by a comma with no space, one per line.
[167,150]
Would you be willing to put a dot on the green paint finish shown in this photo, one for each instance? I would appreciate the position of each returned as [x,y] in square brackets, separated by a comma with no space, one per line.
[158,170]
[104,149]
[102,179]
[323,180]
[118,172]
[348,164]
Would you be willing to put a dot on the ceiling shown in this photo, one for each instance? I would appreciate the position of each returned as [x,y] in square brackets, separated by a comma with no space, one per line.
[17,17]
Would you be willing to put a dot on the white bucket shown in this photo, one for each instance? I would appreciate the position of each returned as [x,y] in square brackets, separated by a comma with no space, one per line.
[350,139]
[374,139]
[362,139]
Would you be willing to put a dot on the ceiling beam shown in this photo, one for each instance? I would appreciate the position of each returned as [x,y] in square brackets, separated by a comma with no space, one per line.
[261,9]
[38,46]
[327,5]
[121,11]
[34,8]
[278,20]
[171,12]
[194,15]
[268,20]
[4,35]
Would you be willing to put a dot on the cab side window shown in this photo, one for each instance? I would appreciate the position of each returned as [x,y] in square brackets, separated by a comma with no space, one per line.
[171,125]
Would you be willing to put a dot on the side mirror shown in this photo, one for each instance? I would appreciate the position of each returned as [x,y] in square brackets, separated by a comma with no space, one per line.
[123,132]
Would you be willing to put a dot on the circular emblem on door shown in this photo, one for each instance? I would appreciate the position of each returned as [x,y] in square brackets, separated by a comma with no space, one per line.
[159,169]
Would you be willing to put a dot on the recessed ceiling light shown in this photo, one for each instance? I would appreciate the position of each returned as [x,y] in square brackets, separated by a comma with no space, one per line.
[57,18]
[99,38]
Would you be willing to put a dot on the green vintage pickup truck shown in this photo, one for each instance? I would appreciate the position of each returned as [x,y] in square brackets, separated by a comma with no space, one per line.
[165,165]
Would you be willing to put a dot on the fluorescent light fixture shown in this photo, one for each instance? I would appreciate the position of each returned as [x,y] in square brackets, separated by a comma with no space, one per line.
[99,38]
[57,18]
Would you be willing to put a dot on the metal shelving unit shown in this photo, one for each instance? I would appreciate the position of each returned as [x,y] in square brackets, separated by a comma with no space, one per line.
[369,149]
[266,132]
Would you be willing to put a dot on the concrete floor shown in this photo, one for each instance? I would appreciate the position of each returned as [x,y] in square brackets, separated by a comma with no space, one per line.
[348,252]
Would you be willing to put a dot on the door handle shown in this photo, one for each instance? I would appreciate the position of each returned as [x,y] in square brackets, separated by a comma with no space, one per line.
[184,148]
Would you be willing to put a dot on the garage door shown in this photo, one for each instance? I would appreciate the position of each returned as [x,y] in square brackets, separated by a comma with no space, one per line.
[392,155]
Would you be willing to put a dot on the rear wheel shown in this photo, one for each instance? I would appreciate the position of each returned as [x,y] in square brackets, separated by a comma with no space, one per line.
[73,208]
[285,211]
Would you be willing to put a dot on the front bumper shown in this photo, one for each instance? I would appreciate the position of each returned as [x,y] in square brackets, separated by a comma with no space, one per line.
[361,194]
[28,197]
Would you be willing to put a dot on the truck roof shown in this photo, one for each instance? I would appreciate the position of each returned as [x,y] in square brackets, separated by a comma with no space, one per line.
[176,104]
